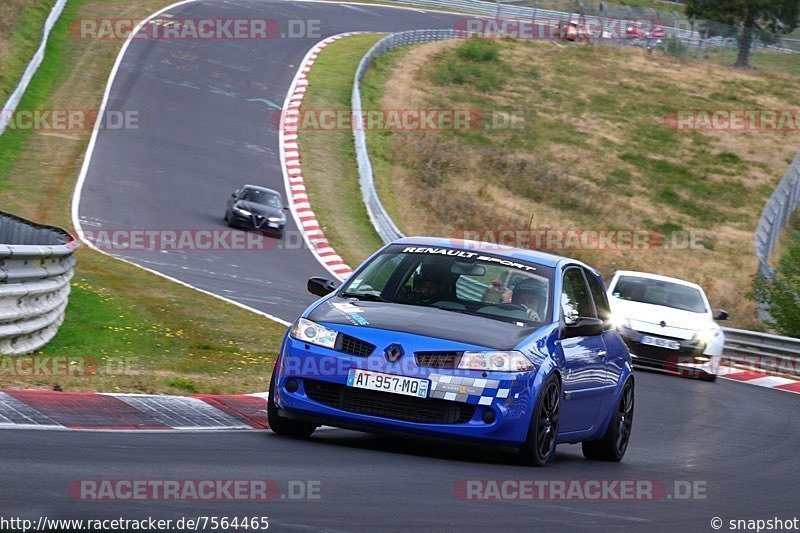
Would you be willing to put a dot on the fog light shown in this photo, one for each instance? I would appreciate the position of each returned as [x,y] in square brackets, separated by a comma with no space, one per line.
[291,385]
[488,416]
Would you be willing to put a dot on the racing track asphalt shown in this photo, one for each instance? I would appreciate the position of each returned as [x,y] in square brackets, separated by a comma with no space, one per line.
[206,110]
[739,442]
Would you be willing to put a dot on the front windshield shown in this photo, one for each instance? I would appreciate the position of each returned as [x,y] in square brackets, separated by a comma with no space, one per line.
[261,197]
[657,292]
[462,281]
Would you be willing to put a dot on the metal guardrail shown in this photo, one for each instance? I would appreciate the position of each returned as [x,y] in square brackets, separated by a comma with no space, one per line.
[13,101]
[776,214]
[762,351]
[36,266]
[381,221]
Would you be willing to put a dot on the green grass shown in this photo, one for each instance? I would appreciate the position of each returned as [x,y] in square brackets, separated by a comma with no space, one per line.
[154,343]
[378,141]
[55,67]
[329,165]
[24,39]
[768,61]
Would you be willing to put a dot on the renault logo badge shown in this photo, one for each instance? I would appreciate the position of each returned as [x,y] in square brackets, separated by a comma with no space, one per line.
[393,352]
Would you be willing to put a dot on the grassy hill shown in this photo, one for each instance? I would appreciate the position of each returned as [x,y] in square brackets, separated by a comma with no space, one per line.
[591,149]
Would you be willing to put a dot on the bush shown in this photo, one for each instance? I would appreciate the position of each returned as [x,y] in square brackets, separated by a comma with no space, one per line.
[780,295]
[479,50]
[476,62]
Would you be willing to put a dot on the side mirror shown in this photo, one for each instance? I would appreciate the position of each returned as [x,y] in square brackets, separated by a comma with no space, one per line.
[583,327]
[320,286]
[286,208]
[721,314]
[235,193]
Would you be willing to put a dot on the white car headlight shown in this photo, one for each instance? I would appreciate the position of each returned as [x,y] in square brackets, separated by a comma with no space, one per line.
[241,211]
[275,219]
[307,331]
[707,335]
[511,361]
[620,321]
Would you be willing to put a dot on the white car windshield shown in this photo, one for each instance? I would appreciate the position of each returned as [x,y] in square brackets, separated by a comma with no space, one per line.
[658,292]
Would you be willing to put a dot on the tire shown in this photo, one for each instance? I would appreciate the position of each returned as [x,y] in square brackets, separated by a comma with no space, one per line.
[540,446]
[614,443]
[711,378]
[285,426]
[225,218]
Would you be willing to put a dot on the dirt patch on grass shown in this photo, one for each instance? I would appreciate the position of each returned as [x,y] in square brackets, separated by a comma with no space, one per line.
[595,153]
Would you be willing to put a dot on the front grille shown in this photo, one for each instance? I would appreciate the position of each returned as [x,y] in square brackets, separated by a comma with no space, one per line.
[354,346]
[389,405]
[438,359]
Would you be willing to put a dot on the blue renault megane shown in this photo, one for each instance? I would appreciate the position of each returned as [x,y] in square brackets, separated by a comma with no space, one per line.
[463,340]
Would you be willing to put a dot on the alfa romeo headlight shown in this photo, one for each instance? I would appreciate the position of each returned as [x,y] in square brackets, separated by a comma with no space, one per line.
[308,331]
[511,361]
[241,211]
[275,219]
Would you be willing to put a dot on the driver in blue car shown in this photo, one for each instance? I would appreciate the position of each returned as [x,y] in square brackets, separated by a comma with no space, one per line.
[430,285]
[528,294]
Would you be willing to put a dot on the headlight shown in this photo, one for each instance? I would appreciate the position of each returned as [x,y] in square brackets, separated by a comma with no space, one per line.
[707,335]
[275,219]
[307,331]
[241,211]
[620,321]
[512,361]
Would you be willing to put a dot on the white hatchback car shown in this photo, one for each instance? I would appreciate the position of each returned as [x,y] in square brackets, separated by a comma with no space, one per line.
[667,323]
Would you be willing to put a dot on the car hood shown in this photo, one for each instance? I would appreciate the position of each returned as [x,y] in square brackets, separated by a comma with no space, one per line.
[260,209]
[647,318]
[425,321]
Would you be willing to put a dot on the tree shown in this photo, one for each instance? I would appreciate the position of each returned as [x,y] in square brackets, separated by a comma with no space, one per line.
[752,16]
[780,294]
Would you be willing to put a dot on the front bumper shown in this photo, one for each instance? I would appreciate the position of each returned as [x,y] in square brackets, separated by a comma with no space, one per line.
[493,407]
[689,360]
[256,222]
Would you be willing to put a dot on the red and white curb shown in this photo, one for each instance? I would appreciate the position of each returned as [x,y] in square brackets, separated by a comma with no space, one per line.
[760,379]
[292,169]
[42,409]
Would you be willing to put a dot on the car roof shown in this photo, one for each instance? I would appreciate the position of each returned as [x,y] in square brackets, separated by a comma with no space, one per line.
[260,188]
[648,275]
[532,256]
